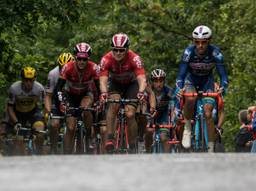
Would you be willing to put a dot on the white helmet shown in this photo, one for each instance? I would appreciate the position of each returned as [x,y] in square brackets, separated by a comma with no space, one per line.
[158,73]
[202,32]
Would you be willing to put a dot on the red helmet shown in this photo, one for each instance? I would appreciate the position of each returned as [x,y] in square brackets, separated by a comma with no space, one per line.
[120,40]
[82,50]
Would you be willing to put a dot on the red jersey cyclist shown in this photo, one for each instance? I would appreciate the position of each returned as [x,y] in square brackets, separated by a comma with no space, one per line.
[79,76]
[125,71]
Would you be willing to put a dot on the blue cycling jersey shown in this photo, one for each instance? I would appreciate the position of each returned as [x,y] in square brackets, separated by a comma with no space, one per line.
[200,69]
[164,103]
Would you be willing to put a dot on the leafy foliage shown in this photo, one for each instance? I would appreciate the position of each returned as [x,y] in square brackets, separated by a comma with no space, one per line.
[35,32]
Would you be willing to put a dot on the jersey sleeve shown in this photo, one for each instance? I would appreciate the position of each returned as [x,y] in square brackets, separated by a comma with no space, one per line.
[104,67]
[96,71]
[50,84]
[221,68]
[64,71]
[138,66]
[183,68]
[41,94]
[11,96]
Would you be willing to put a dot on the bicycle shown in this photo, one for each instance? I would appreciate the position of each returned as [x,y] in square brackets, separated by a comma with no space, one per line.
[61,131]
[199,139]
[157,146]
[97,128]
[122,141]
[26,134]
[81,144]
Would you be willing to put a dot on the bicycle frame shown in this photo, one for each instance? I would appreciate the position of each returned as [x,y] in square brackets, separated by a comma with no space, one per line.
[81,133]
[199,138]
[122,141]
[61,131]
[157,146]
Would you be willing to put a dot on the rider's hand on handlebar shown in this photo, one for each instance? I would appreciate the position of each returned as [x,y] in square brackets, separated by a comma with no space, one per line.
[179,92]
[103,96]
[17,126]
[60,96]
[221,90]
[62,107]
[140,96]
[152,112]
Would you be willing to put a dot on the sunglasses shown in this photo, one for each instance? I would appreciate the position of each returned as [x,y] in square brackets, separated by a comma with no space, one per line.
[199,42]
[82,59]
[121,50]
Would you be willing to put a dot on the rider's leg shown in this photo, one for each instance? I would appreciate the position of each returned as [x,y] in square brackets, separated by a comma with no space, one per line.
[40,136]
[210,126]
[132,125]
[188,112]
[164,138]
[111,121]
[54,131]
[163,119]
[69,135]
[87,102]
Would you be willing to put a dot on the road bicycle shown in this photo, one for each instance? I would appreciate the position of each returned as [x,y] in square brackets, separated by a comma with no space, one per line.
[81,139]
[199,139]
[122,141]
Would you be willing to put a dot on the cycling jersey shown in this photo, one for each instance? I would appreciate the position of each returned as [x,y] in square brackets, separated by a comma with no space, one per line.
[78,83]
[25,101]
[200,69]
[52,80]
[164,102]
[124,73]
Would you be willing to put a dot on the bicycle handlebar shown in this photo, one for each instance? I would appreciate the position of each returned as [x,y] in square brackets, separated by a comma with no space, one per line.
[201,94]
[168,126]
[122,101]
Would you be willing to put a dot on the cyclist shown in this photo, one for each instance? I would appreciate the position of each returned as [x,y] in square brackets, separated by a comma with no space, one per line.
[50,105]
[127,80]
[195,73]
[24,99]
[165,100]
[79,76]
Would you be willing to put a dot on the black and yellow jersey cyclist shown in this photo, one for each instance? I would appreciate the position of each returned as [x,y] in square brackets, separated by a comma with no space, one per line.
[24,98]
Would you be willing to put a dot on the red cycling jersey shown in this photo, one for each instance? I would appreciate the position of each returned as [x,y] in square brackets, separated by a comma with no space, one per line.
[122,73]
[77,82]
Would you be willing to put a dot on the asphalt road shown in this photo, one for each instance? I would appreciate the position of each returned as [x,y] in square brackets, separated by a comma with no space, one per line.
[129,172]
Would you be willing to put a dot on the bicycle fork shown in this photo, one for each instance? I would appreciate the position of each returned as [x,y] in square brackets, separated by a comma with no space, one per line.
[201,135]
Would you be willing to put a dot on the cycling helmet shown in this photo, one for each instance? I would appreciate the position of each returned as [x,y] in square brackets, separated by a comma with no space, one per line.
[82,50]
[158,73]
[202,32]
[120,40]
[28,73]
[64,58]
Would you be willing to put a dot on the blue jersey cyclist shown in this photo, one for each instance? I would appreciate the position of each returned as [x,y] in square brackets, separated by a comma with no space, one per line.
[196,74]
[165,99]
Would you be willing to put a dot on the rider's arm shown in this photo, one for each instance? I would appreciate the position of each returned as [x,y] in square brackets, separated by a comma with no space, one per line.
[142,82]
[171,104]
[221,69]
[11,104]
[183,69]
[103,84]
[60,84]
[152,98]
[48,102]
[12,114]
[49,88]
[181,75]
